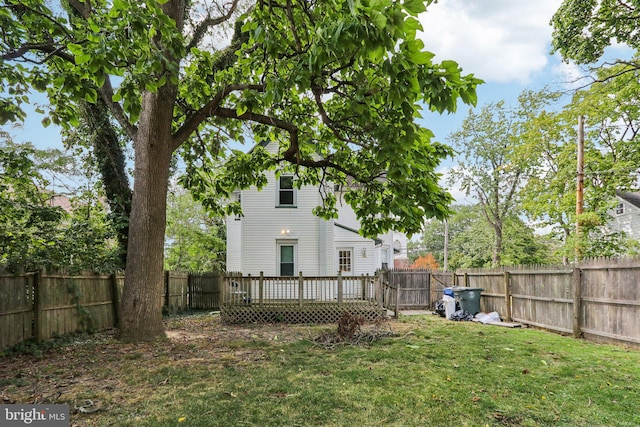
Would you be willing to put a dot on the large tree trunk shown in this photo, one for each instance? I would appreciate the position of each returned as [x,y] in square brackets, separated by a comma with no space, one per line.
[141,306]
[497,247]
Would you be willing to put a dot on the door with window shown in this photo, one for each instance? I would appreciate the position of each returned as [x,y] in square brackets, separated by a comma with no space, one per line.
[345,261]
[287,258]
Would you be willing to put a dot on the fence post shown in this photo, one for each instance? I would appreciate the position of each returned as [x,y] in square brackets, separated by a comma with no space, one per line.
[38,284]
[300,290]
[396,309]
[115,298]
[466,280]
[576,282]
[507,296]
[453,279]
[189,290]
[261,289]
[340,289]
[378,289]
[166,289]
[224,280]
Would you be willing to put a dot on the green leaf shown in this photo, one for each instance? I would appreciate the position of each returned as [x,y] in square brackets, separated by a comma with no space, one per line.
[379,20]
[414,7]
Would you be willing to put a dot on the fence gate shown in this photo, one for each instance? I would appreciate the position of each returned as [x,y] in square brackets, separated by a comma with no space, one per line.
[414,288]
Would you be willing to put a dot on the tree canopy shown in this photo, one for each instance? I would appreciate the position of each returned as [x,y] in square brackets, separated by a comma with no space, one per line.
[582,29]
[338,84]
[35,231]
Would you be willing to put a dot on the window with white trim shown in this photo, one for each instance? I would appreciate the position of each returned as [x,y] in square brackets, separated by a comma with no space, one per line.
[238,217]
[286,192]
[620,209]
[384,258]
[287,258]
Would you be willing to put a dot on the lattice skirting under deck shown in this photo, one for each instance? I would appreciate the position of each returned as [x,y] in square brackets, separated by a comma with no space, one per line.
[320,313]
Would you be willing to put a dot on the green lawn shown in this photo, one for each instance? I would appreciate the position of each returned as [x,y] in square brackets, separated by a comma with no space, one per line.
[434,373]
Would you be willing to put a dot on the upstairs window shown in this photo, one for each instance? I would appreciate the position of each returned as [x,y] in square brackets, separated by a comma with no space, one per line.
[620,209]
[286,192]
[238,217]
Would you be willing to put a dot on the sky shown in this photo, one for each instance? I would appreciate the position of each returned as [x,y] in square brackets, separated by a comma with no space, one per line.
[506,43]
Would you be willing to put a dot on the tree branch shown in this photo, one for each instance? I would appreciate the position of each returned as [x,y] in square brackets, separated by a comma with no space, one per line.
[209,22]
[207,111]
[106,92]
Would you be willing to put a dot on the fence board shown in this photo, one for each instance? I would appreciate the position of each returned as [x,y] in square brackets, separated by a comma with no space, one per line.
[611,303]
[204,289]
[16,309]
[413,288]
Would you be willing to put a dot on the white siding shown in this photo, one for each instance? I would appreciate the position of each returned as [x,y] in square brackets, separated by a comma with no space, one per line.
[234,243]
[263,225]
[252,241]
[363,251]
[629,221]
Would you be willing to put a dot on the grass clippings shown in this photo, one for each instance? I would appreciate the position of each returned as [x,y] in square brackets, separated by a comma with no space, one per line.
[433,372]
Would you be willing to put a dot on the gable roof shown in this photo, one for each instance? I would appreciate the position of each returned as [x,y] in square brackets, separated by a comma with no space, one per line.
[353,230]
[633,198]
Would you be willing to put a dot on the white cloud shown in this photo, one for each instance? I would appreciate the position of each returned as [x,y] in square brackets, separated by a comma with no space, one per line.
[497,40]
[570,75]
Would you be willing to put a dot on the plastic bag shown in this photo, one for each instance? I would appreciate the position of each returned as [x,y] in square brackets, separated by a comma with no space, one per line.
[488,317]
[461,316]
[439,309]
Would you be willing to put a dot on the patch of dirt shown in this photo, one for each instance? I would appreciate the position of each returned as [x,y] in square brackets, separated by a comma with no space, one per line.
[91,373]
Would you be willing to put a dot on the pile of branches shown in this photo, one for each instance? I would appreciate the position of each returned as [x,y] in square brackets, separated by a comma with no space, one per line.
[350,331]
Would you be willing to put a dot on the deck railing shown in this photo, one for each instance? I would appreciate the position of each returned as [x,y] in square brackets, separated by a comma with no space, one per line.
[299,290]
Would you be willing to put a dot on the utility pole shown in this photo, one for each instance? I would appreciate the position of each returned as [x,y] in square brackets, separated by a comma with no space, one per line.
[580,186]
[446,245]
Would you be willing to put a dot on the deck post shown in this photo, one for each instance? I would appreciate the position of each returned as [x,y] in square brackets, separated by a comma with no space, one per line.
[261,289]
[300,290]
[247,298]
[364,281]
[340,289]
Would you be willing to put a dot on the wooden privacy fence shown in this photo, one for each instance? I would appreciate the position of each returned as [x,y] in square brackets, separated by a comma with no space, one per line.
[300,299]
[44,304]
[598,299]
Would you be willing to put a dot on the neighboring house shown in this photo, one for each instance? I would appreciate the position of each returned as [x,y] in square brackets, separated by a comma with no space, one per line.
[626,215]
[279,235]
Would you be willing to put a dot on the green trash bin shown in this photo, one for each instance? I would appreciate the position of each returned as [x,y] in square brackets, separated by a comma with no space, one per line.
[469,298]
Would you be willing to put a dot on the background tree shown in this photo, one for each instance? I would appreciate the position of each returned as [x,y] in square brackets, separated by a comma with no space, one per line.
[490,166]
[610,109]
[195,241]
[28,223]
[337,84]
[98,133]
[34,232]
[582,29]
[425,262]
[471,241]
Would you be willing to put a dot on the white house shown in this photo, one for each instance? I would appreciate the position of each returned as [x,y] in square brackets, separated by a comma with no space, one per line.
[279,235]
[626,216]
